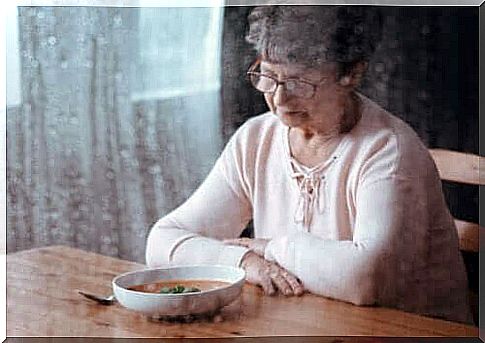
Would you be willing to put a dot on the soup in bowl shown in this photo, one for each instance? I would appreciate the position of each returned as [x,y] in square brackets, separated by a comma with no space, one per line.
[176,291]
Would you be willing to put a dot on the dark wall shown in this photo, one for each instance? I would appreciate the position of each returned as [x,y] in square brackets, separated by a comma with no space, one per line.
[425,71]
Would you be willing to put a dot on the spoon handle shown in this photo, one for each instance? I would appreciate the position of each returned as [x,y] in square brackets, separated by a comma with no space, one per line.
[101,300]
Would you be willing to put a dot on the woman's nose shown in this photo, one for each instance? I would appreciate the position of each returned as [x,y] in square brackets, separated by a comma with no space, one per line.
[280,96]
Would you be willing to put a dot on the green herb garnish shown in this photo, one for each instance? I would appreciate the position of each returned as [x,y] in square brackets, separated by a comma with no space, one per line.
[178,289]
[165,290]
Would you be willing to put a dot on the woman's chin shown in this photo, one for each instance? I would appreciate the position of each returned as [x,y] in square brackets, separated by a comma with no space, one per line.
[292,119]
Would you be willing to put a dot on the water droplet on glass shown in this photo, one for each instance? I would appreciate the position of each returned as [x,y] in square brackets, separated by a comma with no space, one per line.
[106,239]
[425,30]
[117,21]
[107,217]
[52,40]
[155,169]
[63,64]
[380,86]
[73,121]
[124,154]
[379,67]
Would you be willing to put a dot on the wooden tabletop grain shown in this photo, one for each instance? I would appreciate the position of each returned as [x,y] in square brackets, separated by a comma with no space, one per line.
[42,300]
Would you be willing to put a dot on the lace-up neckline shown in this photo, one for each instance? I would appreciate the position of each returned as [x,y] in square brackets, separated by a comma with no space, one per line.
[311,183]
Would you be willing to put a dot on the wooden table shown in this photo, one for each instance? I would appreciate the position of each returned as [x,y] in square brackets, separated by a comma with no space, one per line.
[42,301]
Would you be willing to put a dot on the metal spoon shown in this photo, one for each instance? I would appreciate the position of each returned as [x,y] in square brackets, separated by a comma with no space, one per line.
[109,300]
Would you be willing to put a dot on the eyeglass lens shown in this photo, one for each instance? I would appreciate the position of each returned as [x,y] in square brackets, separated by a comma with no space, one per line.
[267,84]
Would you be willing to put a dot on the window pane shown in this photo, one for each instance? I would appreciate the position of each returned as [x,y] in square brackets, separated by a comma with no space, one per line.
[179,51]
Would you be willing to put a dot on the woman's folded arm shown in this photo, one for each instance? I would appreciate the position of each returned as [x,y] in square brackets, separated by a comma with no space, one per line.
[350,270]
[341,270]
[191,233]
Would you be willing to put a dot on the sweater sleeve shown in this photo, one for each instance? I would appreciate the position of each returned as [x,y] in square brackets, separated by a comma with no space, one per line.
[217,210]
[345,270]
[350,270]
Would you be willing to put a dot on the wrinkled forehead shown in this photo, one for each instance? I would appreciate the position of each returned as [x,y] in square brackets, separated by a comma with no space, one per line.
[285,70]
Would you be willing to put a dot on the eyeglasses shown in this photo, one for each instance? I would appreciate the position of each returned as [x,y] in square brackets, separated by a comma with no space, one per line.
[296,87]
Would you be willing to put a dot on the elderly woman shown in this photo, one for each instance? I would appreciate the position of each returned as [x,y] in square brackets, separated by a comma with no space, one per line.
[345,199]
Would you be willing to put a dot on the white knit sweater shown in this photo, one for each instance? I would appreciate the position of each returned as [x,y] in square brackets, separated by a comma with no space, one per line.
[368,226]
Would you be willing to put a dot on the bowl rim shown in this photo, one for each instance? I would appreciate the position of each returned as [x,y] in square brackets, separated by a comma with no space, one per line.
[176,295]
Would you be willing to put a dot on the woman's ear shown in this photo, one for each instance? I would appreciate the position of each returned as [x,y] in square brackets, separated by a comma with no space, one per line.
[354,78]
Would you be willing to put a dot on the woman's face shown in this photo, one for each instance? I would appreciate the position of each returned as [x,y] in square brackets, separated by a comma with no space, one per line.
[318,114]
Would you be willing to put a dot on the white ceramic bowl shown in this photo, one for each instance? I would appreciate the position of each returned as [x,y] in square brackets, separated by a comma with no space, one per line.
[155,304]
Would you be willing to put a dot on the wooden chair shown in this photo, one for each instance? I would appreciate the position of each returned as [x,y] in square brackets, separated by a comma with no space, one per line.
[463,168]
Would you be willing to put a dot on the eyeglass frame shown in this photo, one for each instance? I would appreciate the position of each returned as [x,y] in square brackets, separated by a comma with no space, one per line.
[251,72]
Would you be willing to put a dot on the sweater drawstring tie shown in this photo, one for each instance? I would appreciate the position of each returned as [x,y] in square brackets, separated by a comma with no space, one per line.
[311,196]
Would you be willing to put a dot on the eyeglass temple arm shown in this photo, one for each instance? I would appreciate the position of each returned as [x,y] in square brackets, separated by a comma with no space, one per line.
[255,64]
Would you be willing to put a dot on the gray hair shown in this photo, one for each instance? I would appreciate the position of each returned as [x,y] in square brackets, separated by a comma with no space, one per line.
[313,35]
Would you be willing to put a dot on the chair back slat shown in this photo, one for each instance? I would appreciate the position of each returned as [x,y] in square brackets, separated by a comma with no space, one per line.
[458,166]
[468,235]
[462,168]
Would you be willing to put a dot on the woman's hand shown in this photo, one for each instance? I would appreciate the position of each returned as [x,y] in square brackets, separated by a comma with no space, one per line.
[271,277]
[257,245]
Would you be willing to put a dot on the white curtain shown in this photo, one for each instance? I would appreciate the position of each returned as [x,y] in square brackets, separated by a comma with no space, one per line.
[118,123]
